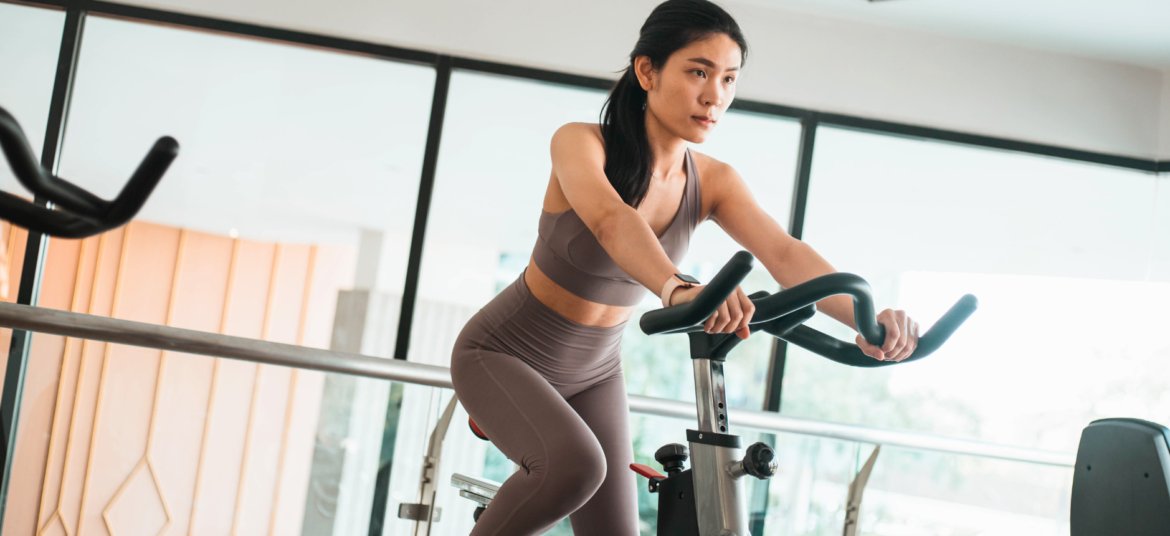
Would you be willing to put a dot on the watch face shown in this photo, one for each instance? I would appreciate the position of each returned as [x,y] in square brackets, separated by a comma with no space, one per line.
[687,278]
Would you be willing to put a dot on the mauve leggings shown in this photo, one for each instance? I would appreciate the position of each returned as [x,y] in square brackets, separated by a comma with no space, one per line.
[550,394]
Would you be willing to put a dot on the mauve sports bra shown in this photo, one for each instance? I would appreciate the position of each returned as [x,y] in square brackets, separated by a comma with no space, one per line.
[570,255]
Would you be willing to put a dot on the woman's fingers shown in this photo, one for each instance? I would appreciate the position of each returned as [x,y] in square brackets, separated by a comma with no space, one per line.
[709,325]
[901,335]
[718,318]
[869,349]
[911,335]
[735,310]
[749,309]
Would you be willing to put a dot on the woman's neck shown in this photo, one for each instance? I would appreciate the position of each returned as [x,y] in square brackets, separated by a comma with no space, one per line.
[667,148]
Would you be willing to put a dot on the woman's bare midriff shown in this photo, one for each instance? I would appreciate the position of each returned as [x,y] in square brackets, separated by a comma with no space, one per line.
[570,305]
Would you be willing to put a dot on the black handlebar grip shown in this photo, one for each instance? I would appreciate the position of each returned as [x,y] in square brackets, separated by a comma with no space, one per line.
[142,183]
[78,212]
[57,223]
[849,354]
[686,315]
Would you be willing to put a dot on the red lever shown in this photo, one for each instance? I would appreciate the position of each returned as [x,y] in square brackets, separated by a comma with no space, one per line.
[646,470]
[475,430]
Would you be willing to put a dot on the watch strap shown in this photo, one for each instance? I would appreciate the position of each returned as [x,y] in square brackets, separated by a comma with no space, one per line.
[673,283]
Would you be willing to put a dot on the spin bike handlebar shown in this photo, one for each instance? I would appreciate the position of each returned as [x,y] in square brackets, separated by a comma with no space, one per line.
[80,213]
[783,313]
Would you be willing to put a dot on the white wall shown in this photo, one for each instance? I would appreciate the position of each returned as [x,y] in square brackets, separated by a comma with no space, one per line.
[797,60]
[1164,152]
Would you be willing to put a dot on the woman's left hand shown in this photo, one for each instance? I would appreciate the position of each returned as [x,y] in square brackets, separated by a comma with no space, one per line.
[901,337]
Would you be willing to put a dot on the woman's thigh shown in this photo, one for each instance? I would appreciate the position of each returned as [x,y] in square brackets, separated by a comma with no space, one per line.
[613,510]
[561,462]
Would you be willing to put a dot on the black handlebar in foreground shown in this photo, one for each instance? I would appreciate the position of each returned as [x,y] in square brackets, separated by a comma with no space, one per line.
[782,314]
[80,213]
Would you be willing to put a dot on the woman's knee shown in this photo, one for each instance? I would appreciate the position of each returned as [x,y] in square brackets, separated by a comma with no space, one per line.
[579,466]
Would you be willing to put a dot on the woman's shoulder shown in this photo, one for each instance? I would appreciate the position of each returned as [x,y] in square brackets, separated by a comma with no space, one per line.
[580,132]
[710,168]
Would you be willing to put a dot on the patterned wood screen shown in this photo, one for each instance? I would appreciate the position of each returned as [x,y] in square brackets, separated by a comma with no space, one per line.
[129,441]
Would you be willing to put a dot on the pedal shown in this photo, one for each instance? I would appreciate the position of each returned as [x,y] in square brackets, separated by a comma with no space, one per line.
[418,512]
[655,477]
[475,497]
[479,488]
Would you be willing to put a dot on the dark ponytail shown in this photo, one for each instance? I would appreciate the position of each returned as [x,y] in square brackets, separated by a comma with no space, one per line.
[674,24]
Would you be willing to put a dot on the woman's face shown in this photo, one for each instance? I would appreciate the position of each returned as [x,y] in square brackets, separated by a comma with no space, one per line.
[690,93]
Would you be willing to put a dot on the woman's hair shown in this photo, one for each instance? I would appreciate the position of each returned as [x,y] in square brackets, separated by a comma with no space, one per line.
[673,25]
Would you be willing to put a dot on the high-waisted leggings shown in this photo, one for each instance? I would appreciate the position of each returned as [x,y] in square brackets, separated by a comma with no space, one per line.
[549,393]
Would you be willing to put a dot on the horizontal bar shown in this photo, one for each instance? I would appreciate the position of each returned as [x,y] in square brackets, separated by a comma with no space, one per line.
[100,328]
[173,339]
[768,421]
[531,73]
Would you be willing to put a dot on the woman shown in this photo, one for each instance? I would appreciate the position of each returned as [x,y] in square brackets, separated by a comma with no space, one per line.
[539,367]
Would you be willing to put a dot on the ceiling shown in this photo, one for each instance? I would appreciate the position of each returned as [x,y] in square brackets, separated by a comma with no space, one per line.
[1128,31]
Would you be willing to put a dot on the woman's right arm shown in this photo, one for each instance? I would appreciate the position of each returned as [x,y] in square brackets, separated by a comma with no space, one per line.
[578,158]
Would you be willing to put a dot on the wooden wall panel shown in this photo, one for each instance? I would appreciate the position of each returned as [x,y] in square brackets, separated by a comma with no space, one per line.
[40,394]
[289,511]
[123,440]
[49,519]
[201,290]
[269,413]
[127,390]
[93,357]
[333,271]
[14,241]
[232,393]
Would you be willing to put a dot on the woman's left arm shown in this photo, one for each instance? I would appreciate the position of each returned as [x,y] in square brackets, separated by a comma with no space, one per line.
[791,262]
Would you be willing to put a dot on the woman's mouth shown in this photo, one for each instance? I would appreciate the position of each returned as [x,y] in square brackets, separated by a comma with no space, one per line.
[703,121]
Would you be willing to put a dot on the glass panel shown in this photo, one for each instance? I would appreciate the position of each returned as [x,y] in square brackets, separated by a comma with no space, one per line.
[930,493]
[493,169]
[30,39]
[492,172]
[286,217]
[808,494]
[278,143]
[1049,247]
[912,493]
[1160,260]
[763,149]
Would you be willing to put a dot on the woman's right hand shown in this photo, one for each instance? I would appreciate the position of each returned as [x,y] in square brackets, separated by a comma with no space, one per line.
[733,315]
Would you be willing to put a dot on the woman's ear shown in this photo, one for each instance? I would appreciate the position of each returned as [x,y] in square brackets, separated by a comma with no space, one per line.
[644,69]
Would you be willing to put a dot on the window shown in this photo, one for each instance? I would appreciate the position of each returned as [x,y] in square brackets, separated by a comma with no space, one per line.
[1064,258]
[30,39]
[1047,245]
[493,169]
[296,182]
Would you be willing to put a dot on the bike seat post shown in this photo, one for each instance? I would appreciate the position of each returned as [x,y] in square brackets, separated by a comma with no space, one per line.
[720,498]
[710,390]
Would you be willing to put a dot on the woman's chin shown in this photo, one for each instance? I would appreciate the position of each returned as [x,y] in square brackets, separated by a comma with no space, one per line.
[698,136]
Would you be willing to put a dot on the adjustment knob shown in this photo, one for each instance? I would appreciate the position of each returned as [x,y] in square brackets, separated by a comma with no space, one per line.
[760,461]
[672,457]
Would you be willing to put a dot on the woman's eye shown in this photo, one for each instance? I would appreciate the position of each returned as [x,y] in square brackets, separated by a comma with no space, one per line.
[700,72]
[729,79]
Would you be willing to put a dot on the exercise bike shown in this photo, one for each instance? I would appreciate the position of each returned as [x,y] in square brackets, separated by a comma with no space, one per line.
[709,498]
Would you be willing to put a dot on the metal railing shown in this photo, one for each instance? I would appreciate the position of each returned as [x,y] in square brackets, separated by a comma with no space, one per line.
[173,339]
